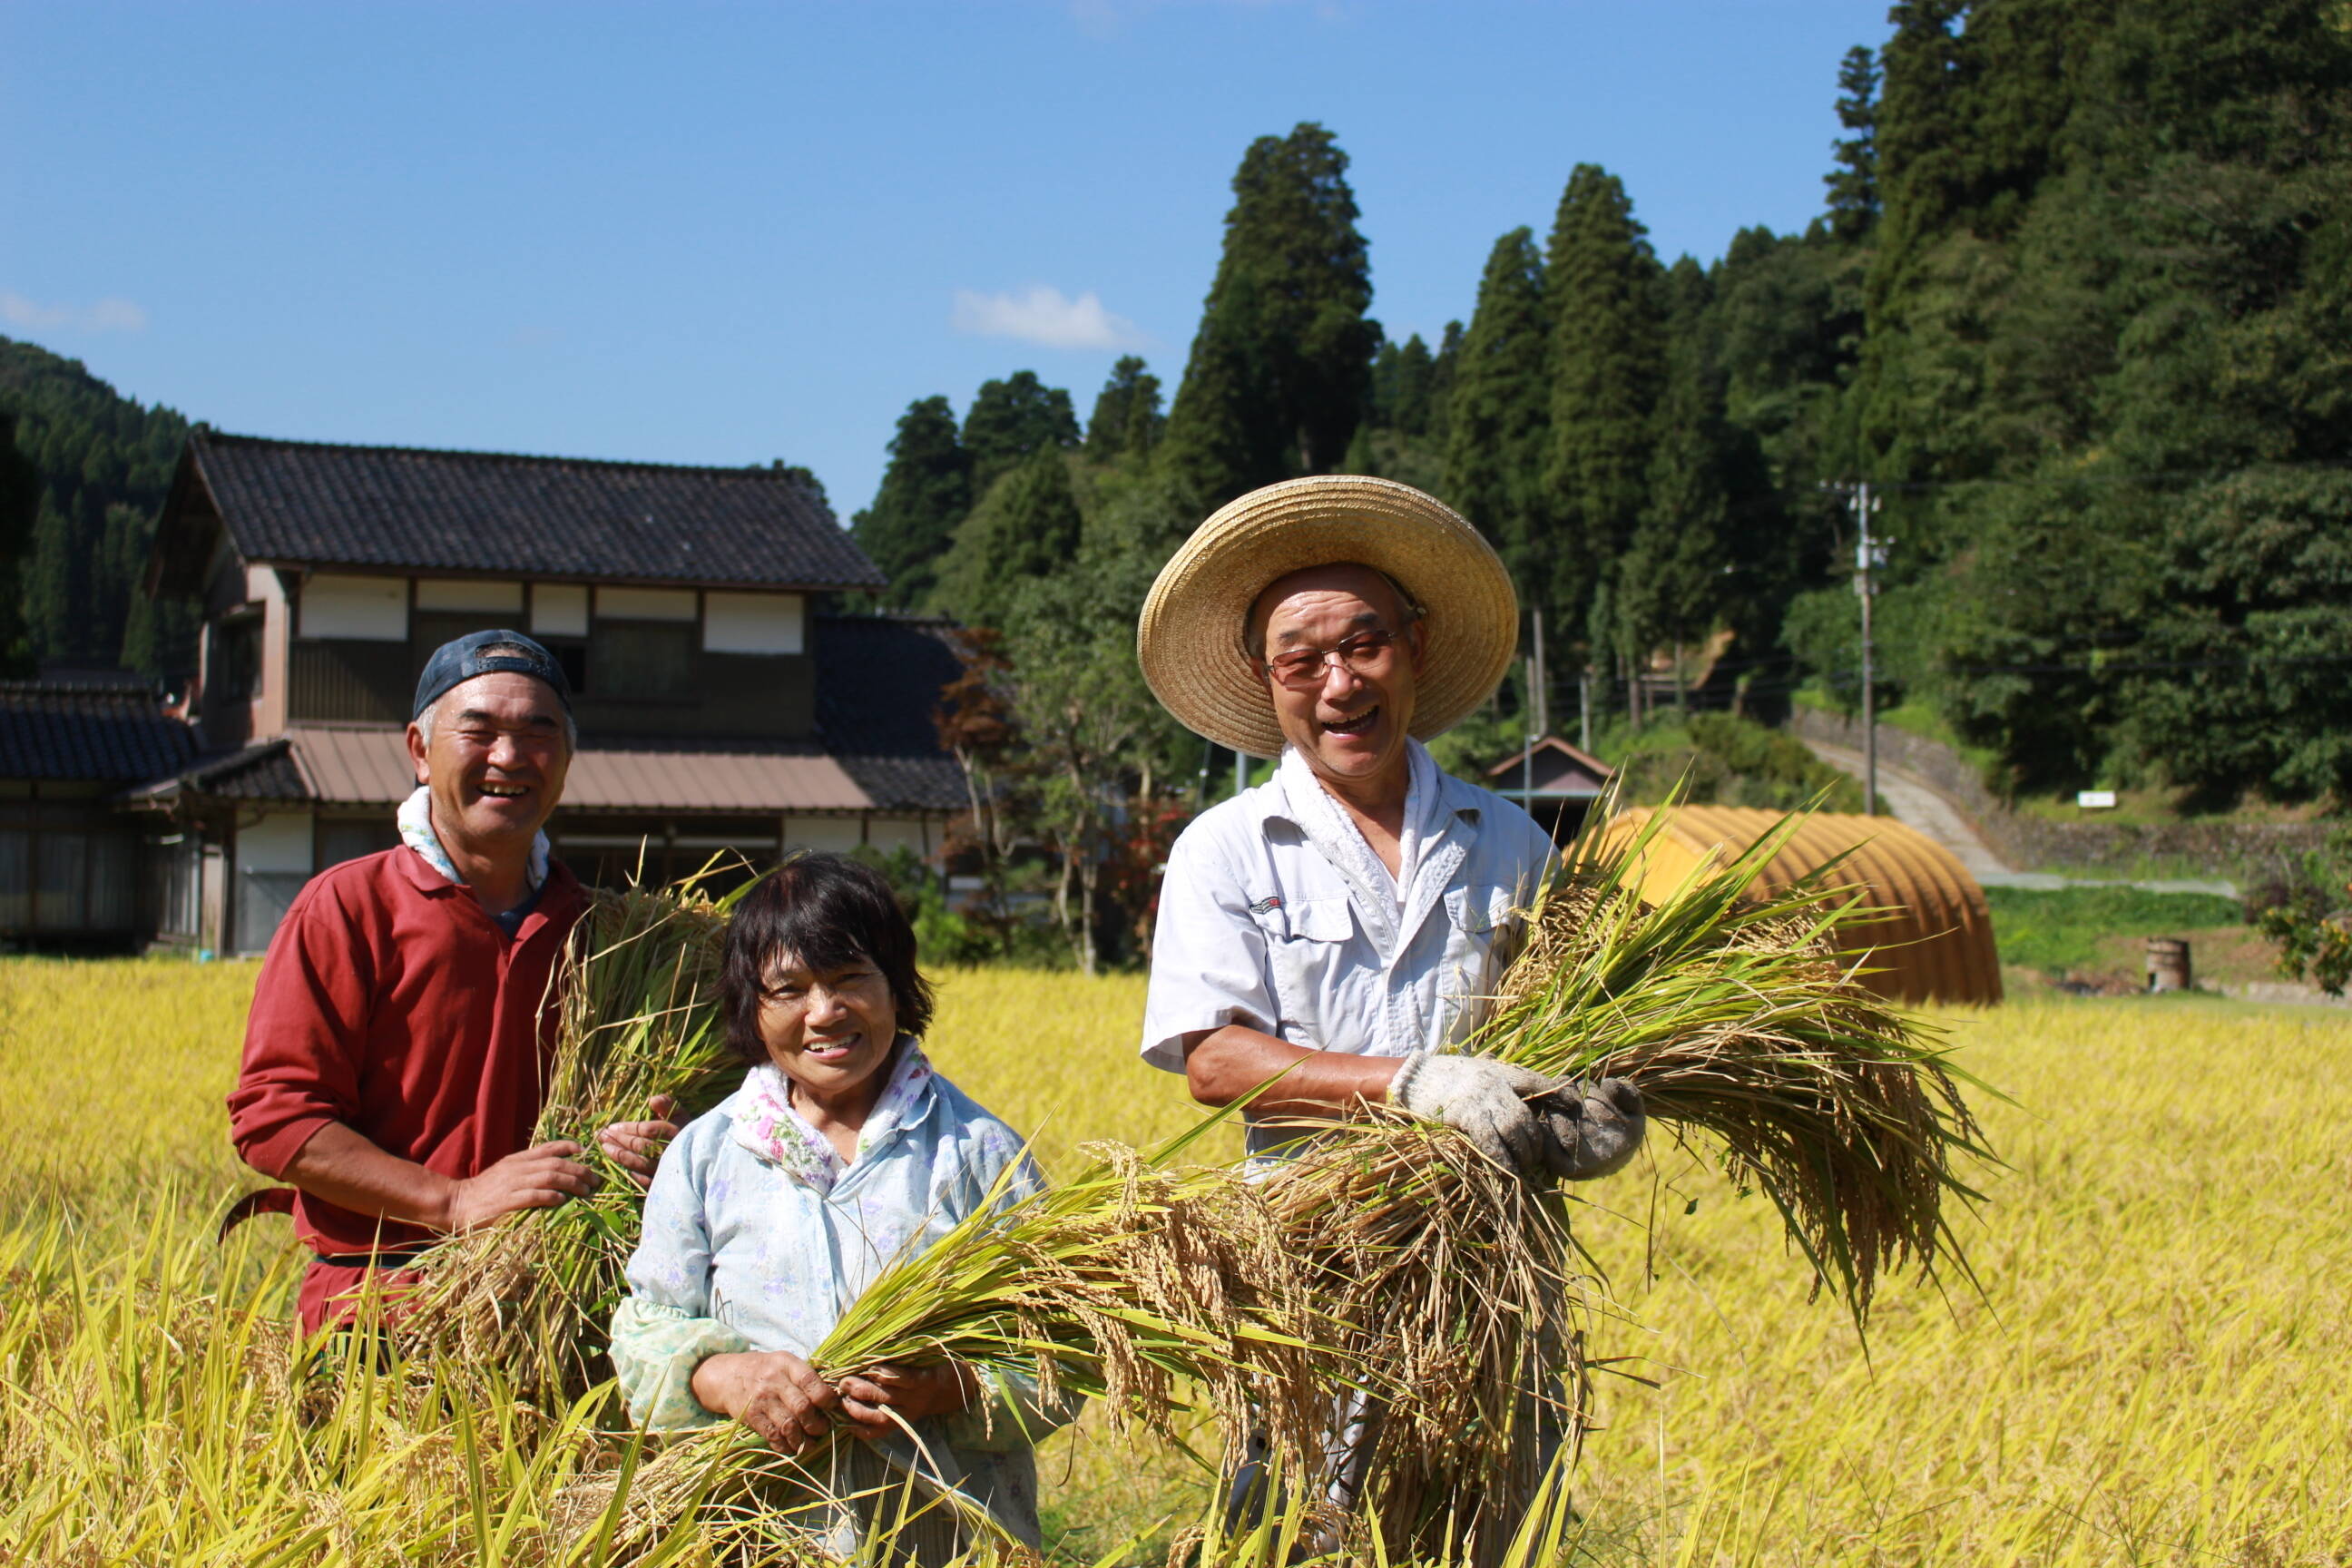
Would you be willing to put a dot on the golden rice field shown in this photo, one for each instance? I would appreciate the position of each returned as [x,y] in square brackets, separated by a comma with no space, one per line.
[2154,1371]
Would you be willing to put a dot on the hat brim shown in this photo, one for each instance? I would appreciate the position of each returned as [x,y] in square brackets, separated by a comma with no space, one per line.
[1190,636]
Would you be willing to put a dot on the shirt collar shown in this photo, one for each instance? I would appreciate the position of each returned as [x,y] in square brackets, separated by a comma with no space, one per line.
[766,1123]
[416,832]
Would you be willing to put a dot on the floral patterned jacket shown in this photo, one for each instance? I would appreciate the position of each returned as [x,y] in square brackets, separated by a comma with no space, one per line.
[758,1235]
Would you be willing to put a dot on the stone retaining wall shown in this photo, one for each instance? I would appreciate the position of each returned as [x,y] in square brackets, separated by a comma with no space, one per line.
[2242,851]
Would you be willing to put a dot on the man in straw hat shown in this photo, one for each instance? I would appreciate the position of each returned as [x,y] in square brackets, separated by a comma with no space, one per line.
[1336,927]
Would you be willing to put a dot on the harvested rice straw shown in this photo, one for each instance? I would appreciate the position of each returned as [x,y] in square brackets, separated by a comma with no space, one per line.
[1150,1286]
[1742,1024]
[533,1292]
[1460,1300]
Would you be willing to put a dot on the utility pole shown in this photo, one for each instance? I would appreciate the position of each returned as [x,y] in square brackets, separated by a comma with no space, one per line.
[1542,683]
[1527,757]
[1869,560]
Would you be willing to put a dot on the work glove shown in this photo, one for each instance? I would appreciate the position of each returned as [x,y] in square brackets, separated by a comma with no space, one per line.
[1485,1100]
[1591,1127]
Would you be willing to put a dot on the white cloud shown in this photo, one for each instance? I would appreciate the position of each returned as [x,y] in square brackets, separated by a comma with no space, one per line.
[1043,315]
[111,314]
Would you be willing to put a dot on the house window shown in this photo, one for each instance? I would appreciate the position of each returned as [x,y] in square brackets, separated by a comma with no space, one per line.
[236,652]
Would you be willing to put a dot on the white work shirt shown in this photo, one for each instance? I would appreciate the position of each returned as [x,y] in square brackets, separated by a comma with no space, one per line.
[1276,914]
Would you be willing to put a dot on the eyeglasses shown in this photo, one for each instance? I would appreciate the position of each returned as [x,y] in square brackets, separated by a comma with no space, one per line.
[1301,669]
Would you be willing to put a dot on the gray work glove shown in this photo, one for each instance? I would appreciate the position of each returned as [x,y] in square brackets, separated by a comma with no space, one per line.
[1485,1100]
[1590,1127]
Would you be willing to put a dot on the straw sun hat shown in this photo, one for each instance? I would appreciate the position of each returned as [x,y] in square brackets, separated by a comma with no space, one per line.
[1190,636]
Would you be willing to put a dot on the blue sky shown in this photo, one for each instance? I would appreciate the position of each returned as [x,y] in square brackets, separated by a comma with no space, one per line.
[722,234]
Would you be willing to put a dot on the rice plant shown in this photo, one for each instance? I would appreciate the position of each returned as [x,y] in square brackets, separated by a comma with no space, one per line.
[533,1293]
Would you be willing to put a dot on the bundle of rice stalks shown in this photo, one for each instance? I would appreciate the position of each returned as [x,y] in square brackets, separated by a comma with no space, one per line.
[639,1016]
[1455,1294]
[1740,1019]
[1744,1029]
[1147,1285]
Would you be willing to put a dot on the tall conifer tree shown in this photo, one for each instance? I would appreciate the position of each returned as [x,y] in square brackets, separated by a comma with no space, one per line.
[1498,418]
[1853,183]
[926,490]
[1127,418]
[1280,369]
[1602,286]
[20,500]
[1671,582]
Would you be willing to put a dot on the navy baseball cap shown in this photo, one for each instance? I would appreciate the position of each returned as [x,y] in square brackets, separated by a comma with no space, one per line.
[486,653]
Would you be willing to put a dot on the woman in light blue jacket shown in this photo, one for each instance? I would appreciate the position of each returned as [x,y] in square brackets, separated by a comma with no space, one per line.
[844,1151]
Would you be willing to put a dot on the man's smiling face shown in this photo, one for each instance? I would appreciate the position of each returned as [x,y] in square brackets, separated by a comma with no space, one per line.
[1349,724]
[494,760]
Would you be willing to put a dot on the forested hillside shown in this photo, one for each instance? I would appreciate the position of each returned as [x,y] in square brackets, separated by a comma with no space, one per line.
[2078,304]
[82,471]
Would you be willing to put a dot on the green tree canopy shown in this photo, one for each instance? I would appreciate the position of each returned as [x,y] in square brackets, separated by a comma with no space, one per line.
[1281,366]
[103,463]
[1012,419]
[1027,526]
[925,489]
[1608,353]
[1498,418]
[1126,419]
[1853,183]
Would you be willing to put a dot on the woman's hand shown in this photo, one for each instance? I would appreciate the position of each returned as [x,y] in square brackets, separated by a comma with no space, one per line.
[774,1393]
[913,1392]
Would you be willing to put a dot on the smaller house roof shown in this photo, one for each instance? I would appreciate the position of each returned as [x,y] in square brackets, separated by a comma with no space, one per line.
[400,509]
[88,731]
[1553,769]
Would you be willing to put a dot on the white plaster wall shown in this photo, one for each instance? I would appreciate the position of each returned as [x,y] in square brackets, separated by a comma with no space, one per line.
[273,861]
[752,623]
[278,842]
[558,609]
[891,833]
[835,833]
[364,609]
[263,584]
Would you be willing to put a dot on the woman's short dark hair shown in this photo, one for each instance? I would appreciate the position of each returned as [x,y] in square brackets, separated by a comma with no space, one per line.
[829,912]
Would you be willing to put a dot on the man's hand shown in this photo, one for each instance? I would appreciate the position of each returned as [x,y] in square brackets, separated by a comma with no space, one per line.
[636,1146]
[914,1392]
[1481,1097]
[774,1393]
[539,1177]
[1591,1128]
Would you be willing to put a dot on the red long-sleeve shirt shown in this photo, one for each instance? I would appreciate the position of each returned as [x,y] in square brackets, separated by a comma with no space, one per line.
[390,1002]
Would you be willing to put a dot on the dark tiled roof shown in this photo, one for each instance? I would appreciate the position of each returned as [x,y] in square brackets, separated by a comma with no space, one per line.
[879,680]
[263,772]
[908,784]
[396,508]
[96,734]
[878,683]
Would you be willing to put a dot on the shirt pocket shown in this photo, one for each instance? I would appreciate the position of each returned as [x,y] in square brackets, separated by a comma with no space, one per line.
[1482,925]
[1307,951]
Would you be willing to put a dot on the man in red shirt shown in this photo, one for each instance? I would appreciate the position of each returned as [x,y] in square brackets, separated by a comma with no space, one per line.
[397,1053]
